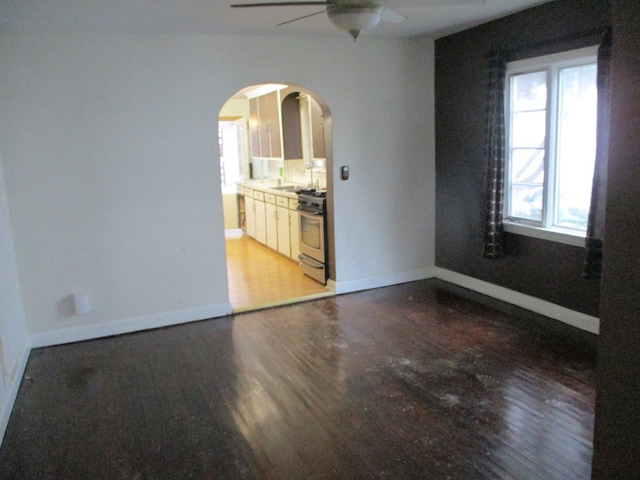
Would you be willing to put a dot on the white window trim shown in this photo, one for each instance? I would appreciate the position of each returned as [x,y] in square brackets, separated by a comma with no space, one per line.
[566,236]
[518,226]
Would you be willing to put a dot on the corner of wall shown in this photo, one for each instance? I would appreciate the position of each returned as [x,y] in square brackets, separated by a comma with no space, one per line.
[570,317]
[12,392]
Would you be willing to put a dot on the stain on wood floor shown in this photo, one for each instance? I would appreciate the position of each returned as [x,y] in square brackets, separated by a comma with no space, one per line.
[409,381]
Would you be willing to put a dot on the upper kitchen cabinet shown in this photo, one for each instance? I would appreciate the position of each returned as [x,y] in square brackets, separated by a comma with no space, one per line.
[302,127]
[317,128]
[291,134]
[264,123]
[254,127]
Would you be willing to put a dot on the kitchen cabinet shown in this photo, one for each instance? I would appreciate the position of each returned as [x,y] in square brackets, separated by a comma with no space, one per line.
[317,128]
[254,127]
[291,134]
[271,219]
[264,126]
[270,137]
[284,240]
[284,235]
[260,212]
[250,212]
[278,224]
[272,226]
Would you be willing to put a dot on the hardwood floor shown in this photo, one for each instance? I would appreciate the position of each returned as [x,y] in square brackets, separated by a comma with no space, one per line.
[420,380]
[260,277]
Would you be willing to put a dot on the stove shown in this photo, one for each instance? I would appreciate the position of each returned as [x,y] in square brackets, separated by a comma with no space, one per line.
[313,234]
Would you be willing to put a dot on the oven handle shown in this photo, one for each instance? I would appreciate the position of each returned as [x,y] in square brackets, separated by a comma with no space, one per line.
[309,211]
[313,221]
[310,261]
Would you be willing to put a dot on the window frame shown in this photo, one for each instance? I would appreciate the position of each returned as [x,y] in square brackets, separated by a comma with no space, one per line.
[552,64]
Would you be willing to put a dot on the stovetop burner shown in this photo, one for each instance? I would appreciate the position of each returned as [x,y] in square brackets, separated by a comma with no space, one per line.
[312,192]
[312,201]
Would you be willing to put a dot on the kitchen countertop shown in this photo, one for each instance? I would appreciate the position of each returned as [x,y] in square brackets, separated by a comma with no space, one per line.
[287,190]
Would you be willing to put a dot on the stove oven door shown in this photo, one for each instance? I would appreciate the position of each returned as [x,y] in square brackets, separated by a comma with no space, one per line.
[312,236]
[312,268]
[312,246]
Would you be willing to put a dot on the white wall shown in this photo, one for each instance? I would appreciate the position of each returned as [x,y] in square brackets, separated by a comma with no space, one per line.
[14,345]
[111,166]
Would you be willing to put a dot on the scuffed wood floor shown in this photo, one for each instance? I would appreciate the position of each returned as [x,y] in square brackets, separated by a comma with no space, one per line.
[410,381]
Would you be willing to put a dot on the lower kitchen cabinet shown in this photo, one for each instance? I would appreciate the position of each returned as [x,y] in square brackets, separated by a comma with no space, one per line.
[250,211]
[272,226]
[273,221]
[284,241]
[294,233]
[261,224]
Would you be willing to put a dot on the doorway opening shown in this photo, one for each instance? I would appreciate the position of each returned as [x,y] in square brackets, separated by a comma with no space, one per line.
[275,140]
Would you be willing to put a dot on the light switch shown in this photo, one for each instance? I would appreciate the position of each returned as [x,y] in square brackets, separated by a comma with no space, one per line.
[344,172]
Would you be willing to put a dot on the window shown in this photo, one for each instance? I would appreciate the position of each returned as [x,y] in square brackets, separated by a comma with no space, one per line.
[551,118]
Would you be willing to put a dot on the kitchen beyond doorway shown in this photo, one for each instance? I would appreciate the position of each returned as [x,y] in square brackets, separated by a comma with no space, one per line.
[259,273]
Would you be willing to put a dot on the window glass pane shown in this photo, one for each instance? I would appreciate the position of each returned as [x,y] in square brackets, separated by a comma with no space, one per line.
[527,165]
[577,119]
[526,202]
[528,129]
[529,91]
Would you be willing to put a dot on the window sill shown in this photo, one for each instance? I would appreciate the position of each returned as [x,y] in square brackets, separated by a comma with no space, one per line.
[554,235]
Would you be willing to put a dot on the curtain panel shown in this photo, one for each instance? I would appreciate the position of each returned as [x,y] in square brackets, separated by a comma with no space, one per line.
[494,154]
[595,229]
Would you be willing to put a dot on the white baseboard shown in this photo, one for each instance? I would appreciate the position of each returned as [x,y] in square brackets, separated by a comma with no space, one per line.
[146,322]
[7,408]
[383,281]
[548,309]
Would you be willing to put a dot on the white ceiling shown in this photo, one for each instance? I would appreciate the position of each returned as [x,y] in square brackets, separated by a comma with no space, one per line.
[215,16]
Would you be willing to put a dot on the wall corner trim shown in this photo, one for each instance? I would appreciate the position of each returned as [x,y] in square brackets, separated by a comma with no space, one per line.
[129,325]
[382,281]
[571,317]
[7,408]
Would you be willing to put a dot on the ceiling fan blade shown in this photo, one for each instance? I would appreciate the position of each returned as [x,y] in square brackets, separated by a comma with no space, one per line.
[393,16]
[436,3]
[276,4]
[431,3]
[301,18]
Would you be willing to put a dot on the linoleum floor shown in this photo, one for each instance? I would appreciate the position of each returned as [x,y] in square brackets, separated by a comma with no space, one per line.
[259,277]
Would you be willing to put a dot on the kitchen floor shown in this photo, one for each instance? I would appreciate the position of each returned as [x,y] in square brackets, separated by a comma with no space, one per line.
[259,277]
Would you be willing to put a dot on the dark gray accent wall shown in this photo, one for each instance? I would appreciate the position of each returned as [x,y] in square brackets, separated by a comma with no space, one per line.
[547,270]
[617,423]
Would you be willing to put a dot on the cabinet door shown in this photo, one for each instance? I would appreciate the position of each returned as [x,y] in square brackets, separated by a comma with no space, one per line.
[284,243]
[250,210]
[273,123]
[254,127]
[272,226]
[269,125]
[291,134]
[317,129]
[294,233]
[261,226]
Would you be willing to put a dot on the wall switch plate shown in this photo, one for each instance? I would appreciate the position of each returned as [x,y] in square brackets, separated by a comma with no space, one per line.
[344,172]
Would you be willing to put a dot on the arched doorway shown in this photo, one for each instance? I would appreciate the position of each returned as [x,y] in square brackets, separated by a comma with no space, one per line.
[274,142]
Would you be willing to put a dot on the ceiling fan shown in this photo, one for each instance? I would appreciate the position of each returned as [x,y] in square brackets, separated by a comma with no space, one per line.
[354,16]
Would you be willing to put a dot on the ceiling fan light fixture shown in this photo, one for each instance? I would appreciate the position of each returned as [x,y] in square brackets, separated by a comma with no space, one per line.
[355,19]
